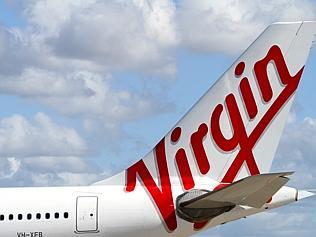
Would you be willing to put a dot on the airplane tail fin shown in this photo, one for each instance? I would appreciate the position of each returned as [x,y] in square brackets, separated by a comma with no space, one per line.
[234,129]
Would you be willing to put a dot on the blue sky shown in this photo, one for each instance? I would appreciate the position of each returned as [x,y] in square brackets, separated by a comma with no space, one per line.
[84,96]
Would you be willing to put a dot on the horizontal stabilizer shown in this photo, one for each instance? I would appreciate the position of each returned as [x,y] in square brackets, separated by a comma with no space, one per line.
[253,191]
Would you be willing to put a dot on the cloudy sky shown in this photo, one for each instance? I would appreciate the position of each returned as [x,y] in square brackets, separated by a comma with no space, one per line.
[89,86]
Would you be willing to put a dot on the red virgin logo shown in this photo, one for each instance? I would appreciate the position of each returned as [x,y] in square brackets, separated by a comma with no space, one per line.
[161,194]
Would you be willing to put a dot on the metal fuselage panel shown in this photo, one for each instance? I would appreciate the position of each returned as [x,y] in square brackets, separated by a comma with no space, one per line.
[96,211]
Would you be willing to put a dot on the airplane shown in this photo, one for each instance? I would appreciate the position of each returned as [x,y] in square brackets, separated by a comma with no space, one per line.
[211,168]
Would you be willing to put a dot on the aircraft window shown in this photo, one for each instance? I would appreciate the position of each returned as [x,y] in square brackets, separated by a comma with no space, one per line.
[38,216]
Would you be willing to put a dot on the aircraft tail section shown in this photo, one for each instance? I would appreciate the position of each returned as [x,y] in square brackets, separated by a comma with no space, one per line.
[234,129]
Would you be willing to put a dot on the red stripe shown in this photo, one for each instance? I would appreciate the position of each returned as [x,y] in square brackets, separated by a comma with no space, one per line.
[220,186]
[200,225]
[248,142]
[248,98]
[263,81]
[162,196]
[184,169]
[197,139]
[275,108]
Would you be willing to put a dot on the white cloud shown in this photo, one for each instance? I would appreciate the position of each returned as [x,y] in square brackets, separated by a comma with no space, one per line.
[2,41]
[76,82]
[12,51]
[83,94]
[52,171]
[74,46]
[62,179]
[64,56]
[38,83]
[49,171]
[116,34]
[22,138]
[230,26]
[141,35]
[100,35]
[8,167]
[46,17]
[297,152]
[64,164]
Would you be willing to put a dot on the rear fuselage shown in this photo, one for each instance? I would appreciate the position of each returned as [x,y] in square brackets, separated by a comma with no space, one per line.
[98,211]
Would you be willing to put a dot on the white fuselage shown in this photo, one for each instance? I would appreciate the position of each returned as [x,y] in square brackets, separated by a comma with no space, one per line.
[98,211]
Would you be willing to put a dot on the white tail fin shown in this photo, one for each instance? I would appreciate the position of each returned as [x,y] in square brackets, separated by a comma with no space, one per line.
[234,129]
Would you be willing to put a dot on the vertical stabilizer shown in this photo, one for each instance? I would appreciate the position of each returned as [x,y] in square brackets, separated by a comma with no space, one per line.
[234,129]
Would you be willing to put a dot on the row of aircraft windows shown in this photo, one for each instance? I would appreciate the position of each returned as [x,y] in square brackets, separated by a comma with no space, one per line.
[38,216]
